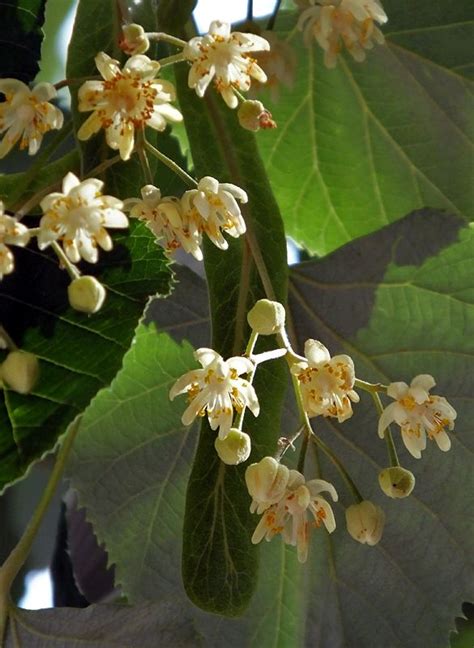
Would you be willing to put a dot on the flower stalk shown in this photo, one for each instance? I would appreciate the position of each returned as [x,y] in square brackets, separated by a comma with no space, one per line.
[392,451]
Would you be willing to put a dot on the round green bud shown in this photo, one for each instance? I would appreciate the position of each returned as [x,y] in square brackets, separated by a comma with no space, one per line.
[86,294]
[20,371]
[396,482]
[266,317]
[234,448]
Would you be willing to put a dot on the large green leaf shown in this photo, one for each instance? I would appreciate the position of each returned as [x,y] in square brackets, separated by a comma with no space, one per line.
[360,146]
[400,302]
[101,626]
[20,38]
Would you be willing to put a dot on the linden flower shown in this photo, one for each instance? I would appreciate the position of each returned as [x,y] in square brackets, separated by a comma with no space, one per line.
[279,64]
[418,413]
[300,509]
[134,39]
[78,217]
[217,389]
[26,115]
[326,383]
[266,483]
[224,57]
[338,23]
[168,221]
[213,204]
[11,233]
[126,100]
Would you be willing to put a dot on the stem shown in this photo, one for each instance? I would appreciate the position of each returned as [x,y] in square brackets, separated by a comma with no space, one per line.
[144,161]
[339,465]
[169,60]
[15,561]
[239,419]
[249,10]
[171,164]
[103,166]
[72,271]
[67,82]
[392,451]
[310,434]
[370,387]
[167,38]
[268,355]
[302,457]
[283,339]
[271,20]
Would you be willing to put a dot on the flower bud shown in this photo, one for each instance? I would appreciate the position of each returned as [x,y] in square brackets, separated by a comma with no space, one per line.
[134,40]
[234,448]
[86,294]
[396,482]
[253,116]
[365,522]
[266,482]
[266,317]
[20,371]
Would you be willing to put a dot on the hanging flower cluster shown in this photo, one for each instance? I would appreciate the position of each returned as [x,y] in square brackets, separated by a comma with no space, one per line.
[336,24]
[290,504]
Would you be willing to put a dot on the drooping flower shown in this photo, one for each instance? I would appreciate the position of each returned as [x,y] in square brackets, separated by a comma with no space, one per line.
[326,383]
[300,509]
[418,413]
[217,389]
[11,233]
[20,371]
[235,448]
[26,115]
[253,116]
[224,57]
[343,23]
[79,217]
[128,99]
[365,522]
[169,222]
[214,206]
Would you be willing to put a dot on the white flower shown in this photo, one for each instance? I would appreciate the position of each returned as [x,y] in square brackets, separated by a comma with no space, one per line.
[338,23]
[418,413]
[326,383]
[217,389]
[300,509]
[26,115]
[168,221]
[78,217]
[126,100]
[213,204]
[235,448]
[11,233]
[134,39]
[224,57]
[365,522]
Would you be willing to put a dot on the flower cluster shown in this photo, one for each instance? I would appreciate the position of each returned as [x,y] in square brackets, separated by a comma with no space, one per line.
[224,57]
[343,23]
[326,383]
[290,505]
[210,209]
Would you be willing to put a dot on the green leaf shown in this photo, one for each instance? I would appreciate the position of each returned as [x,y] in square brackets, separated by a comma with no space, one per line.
[219,561]
[20,38]
[101,626]
[78,354]
[368,143]
[376,299]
